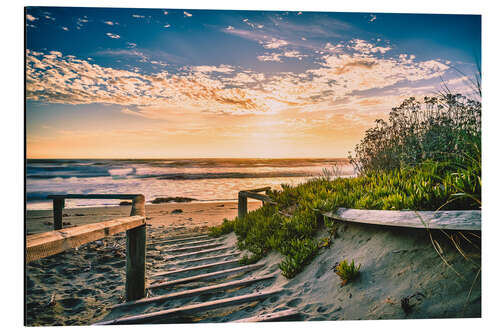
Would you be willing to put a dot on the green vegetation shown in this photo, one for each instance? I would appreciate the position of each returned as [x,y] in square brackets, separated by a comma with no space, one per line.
[426,158]
[347,272]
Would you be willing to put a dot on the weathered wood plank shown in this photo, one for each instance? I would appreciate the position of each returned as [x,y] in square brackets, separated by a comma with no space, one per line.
[190,254]
[209,258]
[447,220]
[93,196]
[256,196]
[241,269]
[180,240]
[189,309]
[49,243]
[261,189]
[242,205]
[195,268]
[202,242]
[58,205]
[266,317]
[135,284]
[191,248]
[197,291]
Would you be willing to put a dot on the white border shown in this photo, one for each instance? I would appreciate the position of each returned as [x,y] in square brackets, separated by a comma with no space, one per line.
[13,156]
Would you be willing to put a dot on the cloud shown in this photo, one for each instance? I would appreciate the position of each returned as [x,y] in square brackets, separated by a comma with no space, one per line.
[80,22]
[230,27]
[372,18]
[109,22]
[113,36]
[345,75]
[166,25]
[219,69]
[363,46]
[186,14]
[137,16]
[270,57]
[65,28]
[165,12]
[274,43]
[31,18]
[277,57]
[131,45]
[253,25]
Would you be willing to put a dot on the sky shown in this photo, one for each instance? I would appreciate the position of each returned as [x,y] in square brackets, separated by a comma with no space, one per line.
[165,83]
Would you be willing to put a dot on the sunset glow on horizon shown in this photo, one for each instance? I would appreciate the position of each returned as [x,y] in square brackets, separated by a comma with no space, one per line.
[161,83]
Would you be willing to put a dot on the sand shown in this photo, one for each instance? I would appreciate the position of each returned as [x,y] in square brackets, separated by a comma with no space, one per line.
[395,263]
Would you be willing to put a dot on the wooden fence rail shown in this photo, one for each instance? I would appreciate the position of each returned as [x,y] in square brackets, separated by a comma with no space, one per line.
[243,199]
[53,242]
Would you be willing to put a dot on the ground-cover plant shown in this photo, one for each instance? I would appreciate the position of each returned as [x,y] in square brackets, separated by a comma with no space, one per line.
[347,272]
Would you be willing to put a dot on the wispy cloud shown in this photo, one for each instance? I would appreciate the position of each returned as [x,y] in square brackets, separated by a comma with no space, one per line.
[372,18]
[274,43]
[186,14]
[65,28]
[113,36]
[31,18]
[137,16]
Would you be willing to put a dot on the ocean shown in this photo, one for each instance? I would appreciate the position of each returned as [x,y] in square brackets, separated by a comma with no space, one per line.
[201,179]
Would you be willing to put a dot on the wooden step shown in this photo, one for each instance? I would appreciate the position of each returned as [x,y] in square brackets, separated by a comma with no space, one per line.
[208,258]
[230,271]
[197,253]
[193,243]
[191,248]
[189,309]
[275,316]
[197,291]
[180,240]
[195,268]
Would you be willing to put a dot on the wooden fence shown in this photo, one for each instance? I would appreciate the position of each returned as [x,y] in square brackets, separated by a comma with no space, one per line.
[49,243]
[254,194]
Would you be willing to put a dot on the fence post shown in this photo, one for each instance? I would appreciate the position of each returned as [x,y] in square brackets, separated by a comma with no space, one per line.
[135,285]
[242,205]
[57,209]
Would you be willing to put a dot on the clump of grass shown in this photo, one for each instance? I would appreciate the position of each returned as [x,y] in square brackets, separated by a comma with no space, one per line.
[347,272]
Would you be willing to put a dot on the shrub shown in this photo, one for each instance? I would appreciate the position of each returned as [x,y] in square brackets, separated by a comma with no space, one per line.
[440,128]
[347,272]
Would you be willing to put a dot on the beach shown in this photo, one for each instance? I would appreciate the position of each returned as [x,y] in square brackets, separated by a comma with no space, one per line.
[80,286]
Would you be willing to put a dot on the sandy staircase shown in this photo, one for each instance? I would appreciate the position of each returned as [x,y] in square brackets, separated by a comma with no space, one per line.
[201,280]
